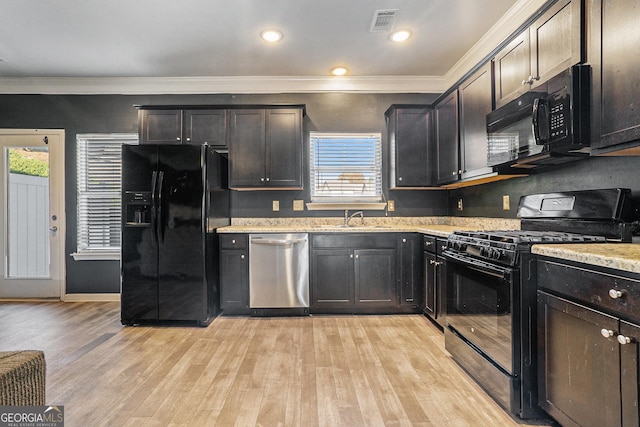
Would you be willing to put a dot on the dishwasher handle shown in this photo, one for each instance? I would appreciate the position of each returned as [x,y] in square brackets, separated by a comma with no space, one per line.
[276,242]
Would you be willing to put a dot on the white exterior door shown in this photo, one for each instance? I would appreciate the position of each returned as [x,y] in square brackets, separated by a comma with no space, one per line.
[32,215]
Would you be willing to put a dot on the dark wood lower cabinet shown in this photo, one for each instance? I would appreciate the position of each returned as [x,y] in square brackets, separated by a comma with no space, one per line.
[355,273]
[579,383]
[332,278]
[588,344]
[434,278]
[234,274]
[375,277]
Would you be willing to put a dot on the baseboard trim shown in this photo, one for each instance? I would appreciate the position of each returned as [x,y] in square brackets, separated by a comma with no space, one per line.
[91,297]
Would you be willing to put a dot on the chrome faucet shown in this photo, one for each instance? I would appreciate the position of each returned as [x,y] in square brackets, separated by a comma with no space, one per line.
[348,217]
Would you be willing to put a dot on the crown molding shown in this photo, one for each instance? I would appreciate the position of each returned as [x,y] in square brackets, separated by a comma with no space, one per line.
[216,85]
[499,32]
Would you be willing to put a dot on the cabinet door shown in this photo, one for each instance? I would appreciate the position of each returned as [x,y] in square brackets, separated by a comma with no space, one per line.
[555,40]
[160,126]
[234,282]
[206,127]
[630,371]
[247,148]
[512,67]
[475,104]
[430,284]
[614,40]
[447,154]
[441,296]
[410,277]
[410,140]
[578,368]
[331,278]
[375,277]
[284,148]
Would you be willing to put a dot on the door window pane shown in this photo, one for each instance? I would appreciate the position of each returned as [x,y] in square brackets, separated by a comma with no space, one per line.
[27,226]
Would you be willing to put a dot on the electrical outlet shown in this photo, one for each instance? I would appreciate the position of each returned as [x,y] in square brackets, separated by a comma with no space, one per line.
[275,205]
[298,205]
[391,205]
[505,203]
[459,204]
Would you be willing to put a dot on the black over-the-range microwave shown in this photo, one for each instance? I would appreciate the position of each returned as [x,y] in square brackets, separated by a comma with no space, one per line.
[546,126]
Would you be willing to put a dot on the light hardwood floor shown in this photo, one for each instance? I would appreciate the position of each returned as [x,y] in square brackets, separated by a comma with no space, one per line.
[301,371]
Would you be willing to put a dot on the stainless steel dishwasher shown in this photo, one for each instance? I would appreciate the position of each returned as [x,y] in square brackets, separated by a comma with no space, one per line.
[279,274]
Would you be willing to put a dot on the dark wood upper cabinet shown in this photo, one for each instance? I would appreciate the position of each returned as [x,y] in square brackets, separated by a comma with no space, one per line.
[409,129]
[614,37]
[160,126]
[446,140]
[475,103]
[179,126]
[550,45]
[265,148]
[205,127]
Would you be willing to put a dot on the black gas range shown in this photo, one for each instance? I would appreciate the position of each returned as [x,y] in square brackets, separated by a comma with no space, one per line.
[491,287]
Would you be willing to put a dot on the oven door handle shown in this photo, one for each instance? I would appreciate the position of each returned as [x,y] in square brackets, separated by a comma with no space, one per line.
[481,267]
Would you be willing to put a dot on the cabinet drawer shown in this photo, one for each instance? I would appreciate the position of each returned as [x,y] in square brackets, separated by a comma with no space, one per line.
[234,241]
[349,240]
[607,291]
[429,244]
[441,246]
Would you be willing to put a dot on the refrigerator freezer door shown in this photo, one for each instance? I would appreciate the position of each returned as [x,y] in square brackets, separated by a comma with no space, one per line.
[139,259]
[182,285]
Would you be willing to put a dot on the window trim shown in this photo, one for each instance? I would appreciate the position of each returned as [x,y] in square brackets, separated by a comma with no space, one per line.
[95,254]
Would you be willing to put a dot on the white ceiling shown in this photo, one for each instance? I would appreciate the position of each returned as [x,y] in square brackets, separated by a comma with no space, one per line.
[78,46]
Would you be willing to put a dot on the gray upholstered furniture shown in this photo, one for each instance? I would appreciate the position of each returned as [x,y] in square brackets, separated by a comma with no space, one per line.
[22,378]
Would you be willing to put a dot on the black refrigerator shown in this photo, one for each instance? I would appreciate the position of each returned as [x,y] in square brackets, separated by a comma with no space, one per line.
[174,197]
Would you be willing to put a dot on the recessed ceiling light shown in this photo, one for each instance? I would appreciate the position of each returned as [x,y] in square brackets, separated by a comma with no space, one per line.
[271,36]
[339,71]
[400,36]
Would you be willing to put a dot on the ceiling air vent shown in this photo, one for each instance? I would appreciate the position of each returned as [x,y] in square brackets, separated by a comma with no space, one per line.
[383,20]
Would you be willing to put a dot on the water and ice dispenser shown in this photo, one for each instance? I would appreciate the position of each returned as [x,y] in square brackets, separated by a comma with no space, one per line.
[137,208]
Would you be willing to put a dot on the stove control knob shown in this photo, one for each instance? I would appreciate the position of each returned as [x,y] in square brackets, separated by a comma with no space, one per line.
[458,246]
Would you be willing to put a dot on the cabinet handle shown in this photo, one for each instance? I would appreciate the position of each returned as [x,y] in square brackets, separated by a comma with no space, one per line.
[233,241]
[615,294]
[351,256]
[188,139]
[404,240]
[607,333]
[261,179]
[454,173]
[242,256]
[357,256]
[624,340]
[428,243]
[399,178]
[268,179]
[530,80]
[432,262]
[460,171]
[178,139]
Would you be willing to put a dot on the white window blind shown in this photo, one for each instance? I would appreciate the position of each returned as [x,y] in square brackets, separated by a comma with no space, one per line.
[346,167]
[98,185]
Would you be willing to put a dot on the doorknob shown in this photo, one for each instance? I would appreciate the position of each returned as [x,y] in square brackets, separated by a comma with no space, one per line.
[54,228]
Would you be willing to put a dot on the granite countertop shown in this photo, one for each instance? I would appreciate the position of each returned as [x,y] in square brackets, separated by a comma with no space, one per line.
[436,226]
[619,256]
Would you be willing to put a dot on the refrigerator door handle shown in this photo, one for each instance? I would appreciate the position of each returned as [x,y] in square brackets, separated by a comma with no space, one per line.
[160,229]
[154,205]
